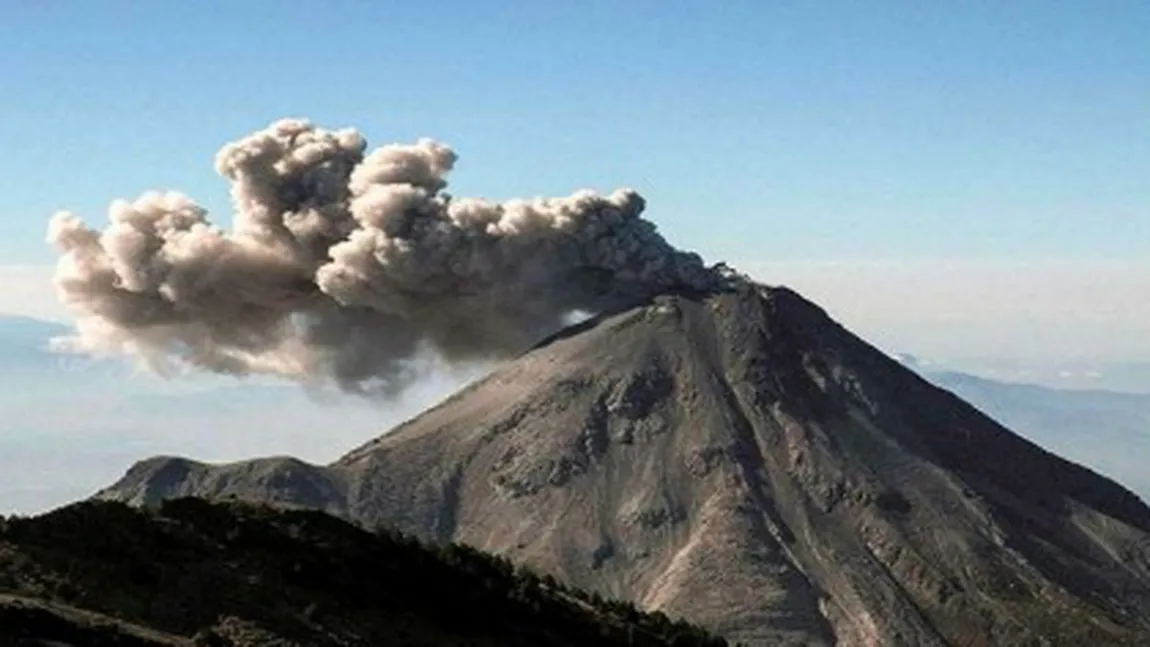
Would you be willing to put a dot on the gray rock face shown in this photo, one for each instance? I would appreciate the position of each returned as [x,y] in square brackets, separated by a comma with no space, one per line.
[740,459]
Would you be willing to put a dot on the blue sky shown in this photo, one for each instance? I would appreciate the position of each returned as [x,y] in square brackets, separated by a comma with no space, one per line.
[1011,134]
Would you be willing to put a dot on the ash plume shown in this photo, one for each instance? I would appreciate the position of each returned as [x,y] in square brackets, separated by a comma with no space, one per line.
[343,266]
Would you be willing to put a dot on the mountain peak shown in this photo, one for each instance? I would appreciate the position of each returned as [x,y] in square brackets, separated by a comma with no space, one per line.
[695,447]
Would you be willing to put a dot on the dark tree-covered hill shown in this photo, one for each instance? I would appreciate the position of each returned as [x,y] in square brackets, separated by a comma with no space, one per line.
[193,572]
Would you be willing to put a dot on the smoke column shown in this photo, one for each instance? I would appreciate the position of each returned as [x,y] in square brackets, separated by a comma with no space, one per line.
[343,266]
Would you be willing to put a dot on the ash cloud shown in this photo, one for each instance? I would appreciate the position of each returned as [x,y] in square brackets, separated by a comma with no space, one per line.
[344,266]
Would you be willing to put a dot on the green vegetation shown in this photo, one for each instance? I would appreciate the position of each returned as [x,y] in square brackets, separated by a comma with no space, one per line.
[234,574]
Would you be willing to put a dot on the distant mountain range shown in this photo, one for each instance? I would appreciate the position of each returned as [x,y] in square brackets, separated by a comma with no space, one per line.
[24,342]
[1120,376]
[1108,431]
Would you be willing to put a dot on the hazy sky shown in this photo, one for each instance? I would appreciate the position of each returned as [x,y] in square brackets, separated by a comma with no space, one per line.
[924,169]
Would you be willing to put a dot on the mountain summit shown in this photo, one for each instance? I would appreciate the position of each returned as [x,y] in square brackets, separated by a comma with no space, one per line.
[740,459]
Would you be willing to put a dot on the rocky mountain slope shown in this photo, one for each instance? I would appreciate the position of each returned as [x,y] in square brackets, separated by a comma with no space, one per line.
[740,459]
[198,573]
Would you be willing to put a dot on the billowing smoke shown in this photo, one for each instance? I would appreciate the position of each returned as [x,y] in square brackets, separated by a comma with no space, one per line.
[345,267]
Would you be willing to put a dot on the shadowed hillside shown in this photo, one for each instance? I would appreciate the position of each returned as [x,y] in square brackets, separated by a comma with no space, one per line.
[192,572]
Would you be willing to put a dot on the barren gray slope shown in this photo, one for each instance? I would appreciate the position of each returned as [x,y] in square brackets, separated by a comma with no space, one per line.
[742,460]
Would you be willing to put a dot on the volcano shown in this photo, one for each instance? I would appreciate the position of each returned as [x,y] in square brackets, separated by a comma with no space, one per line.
[738,458]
